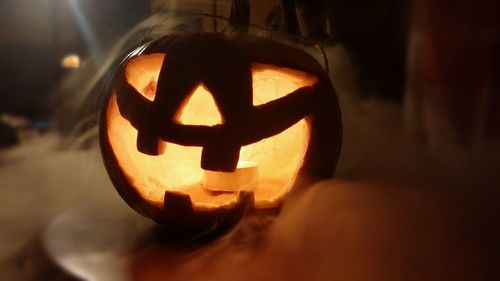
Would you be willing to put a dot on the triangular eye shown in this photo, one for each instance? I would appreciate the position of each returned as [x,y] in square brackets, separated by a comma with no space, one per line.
[199,109]
[142,73]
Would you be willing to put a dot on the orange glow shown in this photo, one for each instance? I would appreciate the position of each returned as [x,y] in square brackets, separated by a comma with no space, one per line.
[144,71]
[278,158]
[245,177]
[200,109]
[70,61]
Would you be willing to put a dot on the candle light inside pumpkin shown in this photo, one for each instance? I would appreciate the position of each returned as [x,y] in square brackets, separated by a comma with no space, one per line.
[245,177]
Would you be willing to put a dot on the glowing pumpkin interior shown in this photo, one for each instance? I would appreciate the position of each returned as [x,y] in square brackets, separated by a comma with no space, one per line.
[177,169]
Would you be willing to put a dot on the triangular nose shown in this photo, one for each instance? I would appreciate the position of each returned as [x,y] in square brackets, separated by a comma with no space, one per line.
[199,109]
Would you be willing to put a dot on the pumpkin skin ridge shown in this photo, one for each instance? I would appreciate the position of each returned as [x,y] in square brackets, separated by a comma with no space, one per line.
[138,203]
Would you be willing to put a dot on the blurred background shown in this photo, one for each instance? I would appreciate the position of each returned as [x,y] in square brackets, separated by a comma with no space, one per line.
[41,41]
[419,88]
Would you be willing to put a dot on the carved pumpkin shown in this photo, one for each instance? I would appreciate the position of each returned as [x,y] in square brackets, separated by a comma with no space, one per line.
[199,127]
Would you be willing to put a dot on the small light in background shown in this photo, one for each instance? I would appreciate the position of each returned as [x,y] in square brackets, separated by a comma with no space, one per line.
[70,61]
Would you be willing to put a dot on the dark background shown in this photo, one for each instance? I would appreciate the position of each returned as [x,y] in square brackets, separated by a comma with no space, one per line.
[35,35]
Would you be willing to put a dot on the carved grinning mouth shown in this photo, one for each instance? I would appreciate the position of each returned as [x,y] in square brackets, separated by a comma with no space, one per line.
[279,155]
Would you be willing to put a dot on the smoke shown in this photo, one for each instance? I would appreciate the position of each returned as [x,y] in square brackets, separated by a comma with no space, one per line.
[396,211]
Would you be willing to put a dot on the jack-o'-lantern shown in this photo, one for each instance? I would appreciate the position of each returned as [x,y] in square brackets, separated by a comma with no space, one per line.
[200,127]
